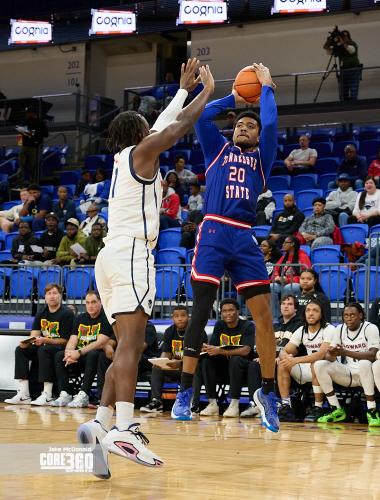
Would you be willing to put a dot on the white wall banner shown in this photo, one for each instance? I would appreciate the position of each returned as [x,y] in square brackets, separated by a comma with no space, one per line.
[202,11]
[290,6]
[112,22]
[30,32]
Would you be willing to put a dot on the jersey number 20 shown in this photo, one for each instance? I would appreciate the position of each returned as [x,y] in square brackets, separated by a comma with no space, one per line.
[236,174]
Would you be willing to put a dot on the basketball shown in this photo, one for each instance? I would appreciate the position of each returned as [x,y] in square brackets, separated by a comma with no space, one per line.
[247,85]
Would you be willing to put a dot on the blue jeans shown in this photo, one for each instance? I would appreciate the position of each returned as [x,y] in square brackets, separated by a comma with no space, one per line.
[278,290]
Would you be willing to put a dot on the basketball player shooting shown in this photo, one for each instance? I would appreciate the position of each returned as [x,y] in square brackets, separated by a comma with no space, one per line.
[124,268]
[236,174]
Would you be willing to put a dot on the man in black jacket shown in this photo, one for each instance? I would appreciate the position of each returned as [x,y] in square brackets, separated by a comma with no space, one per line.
[287,222]
[26,246]
[50,239]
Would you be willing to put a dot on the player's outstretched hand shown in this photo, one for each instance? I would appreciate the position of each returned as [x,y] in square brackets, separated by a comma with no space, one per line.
[207,79]
[263,74]
[188,79]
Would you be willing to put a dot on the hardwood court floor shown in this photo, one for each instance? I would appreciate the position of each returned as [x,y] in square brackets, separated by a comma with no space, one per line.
[207,458]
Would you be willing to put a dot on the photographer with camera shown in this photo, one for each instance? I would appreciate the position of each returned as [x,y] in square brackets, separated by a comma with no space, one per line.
[339,44]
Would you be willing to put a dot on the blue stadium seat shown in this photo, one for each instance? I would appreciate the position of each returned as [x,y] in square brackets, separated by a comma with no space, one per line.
[354,232]
[92,162]
[21,284]
[370,147]
[327,165]
[338,147]
[304,199]
[188,287]
[49,189]
[276,212]
[307,211]
[173,154]
[334,282]
[77,282]
[69,177]
[169,238]
[360,279]
[329,254]
[184,215]
[303,181]
[9,237]
[164,157]
[164,170]
[189,256]
[171,256]
[306,249]
[323,149]
[279,197]
[5,255]
[288,148]
[322,135]
[198,169]
[45,276]
[261,231]
[323,180]
[374,229]
[278,182]
[196,157]
[168,281]
[2,282]
[7,205]
[369,132]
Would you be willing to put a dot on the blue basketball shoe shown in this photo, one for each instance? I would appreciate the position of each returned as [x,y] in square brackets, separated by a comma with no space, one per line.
[267,404]
[182,406]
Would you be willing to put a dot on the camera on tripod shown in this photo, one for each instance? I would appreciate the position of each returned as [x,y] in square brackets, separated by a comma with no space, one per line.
[333,40]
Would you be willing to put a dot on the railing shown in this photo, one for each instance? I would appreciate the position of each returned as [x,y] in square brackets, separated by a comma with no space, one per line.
[22,287]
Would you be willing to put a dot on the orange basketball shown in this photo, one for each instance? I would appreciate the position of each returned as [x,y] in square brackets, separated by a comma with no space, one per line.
[247,85]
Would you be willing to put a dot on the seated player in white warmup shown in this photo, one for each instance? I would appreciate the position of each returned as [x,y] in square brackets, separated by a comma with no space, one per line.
[356,342]
[124,269]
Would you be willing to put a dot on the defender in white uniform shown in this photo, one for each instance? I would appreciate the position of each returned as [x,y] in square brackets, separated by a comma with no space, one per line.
[124,269]
[315,336]
[356,343]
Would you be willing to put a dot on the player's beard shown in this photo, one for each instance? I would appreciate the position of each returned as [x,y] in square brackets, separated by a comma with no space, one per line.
[245,145]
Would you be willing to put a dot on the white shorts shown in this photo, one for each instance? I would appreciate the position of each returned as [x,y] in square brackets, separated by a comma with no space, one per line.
[125,277]
[301,373]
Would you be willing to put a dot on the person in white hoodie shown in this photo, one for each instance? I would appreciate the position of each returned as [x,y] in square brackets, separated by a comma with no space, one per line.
[8,218]
[341,202]
[367,205]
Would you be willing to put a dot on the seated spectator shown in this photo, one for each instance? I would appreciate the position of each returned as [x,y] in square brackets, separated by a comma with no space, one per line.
[172,348]
[340,203]
[51,239]
[65,253]
[64,208]
[310,289]
[289,321]
[227,365]
[170,212]
[374,169]
[354,166]
[301,161]
[85,178]
[92,246]
[315,336]
[51,328]
[26,247]
[286,274]
[36,207]
[90,333]
[189,229]
[271,255]
[174,183]
[367,205]
[92,218]
[151,350]
[195,201]
[317,229]
[97,193]
[9,219]
[287,222]
[348,362]
[185,176]
[265,208]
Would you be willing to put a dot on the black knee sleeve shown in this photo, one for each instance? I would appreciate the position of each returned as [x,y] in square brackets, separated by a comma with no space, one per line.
[204,295]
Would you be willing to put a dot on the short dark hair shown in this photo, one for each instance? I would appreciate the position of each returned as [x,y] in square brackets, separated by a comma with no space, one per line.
[94,292]
[234,302]
[290,296]
[34,187]
[179,307]
[126,129]
[28,222]
[363,194]
[356,306]
[50,286]
[323,320]
[179,157]
[250,114]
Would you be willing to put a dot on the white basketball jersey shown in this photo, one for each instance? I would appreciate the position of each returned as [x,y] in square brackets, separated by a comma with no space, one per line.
[363,339]
[134,203]
[312,341]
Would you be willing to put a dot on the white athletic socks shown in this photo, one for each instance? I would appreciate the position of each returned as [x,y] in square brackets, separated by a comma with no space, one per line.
[333,400]
[371,405]
[24,387]
[48,389]
[286,401]
[124,415]
[319,404]
[104,416]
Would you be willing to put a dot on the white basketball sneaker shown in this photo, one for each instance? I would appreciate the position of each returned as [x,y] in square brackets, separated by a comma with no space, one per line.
[43,400]
[63,399]
[80,400]
[19,399]
[92,433]
[130,443]
[210,410]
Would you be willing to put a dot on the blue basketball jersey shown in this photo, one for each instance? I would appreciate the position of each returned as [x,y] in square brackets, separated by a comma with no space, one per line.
[235,179]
